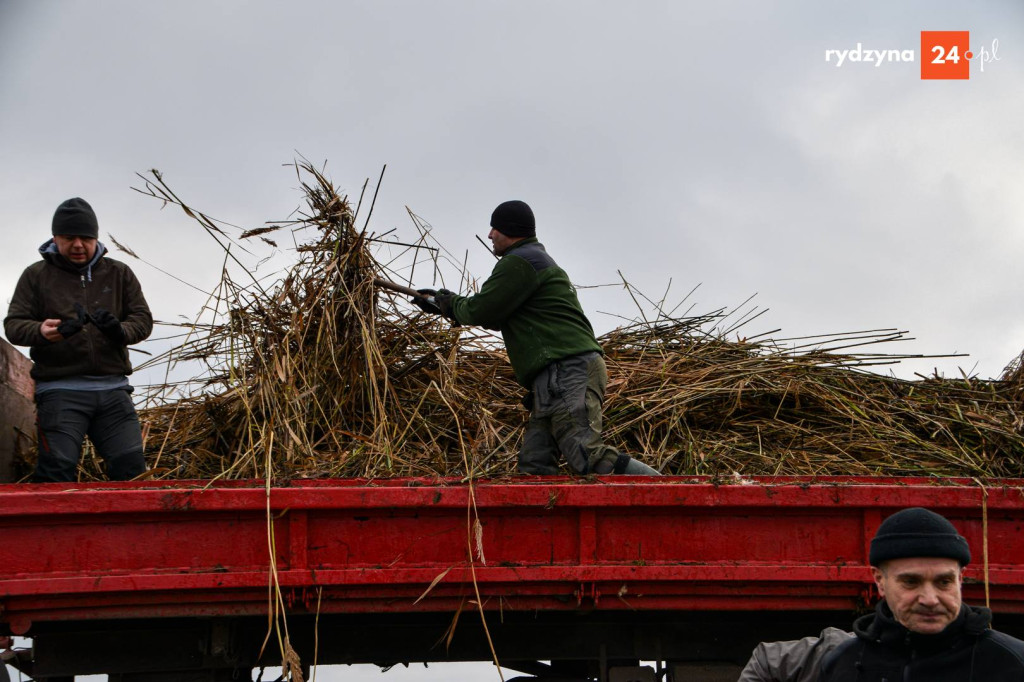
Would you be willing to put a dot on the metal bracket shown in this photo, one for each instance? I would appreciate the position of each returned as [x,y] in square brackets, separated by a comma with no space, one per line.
[587,591]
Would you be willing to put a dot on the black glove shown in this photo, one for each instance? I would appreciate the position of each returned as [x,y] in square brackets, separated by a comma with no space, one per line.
[74,325]
[110,326]
[443,298]
[424,304]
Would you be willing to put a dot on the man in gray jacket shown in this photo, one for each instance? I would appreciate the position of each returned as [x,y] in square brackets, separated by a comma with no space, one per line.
[79,311]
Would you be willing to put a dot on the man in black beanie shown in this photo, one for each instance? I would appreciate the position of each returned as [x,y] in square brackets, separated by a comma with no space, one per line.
[921,630]
[79,311]
[550,344]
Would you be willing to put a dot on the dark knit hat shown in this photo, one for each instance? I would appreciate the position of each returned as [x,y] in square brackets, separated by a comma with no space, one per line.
[917,532]
[514,219]
[75,217]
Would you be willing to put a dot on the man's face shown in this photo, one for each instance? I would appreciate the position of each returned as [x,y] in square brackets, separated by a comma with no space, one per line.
[78,250]
[923,593]
[500,242]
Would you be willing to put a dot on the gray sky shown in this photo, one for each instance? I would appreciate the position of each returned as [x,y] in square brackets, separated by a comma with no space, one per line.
[707,143]
[704,143]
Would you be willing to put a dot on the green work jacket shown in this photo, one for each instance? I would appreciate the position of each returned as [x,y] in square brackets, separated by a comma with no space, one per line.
[531,301]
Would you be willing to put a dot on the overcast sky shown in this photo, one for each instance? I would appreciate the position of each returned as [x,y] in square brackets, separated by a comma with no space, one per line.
[708,144]
[704,143]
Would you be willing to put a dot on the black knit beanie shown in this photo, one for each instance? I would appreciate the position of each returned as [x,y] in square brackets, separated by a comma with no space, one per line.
[76,218]
[917,532]
[514,219]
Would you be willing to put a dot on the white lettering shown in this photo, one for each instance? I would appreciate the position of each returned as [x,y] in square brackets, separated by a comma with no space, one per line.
[985,56]
[878,57]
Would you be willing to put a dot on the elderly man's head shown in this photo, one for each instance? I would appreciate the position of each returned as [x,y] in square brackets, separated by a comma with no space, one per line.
[917,559]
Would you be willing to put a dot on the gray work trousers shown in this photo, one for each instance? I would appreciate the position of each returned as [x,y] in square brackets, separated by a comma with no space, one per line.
[565,417]
[64,417]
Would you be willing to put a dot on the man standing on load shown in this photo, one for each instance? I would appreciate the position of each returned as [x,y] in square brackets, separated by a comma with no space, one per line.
[79,311]
[551,345]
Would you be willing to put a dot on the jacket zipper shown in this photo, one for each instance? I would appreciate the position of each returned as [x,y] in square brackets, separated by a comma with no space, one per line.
[93,354]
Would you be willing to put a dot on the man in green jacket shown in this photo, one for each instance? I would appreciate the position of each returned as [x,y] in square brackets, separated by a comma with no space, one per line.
[79,311]
[550,344]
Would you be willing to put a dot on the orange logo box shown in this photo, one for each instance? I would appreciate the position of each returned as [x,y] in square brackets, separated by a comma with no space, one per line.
[945,55]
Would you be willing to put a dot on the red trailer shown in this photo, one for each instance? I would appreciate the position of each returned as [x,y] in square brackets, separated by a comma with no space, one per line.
[161,581]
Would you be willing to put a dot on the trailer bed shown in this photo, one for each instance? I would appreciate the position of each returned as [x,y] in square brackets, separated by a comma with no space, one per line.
[183,549]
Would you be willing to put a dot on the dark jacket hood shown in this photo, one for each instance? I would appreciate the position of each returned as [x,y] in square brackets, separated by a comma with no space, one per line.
[51,255]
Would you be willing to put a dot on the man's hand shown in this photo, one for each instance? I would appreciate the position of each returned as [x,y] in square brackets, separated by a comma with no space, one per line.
[110,326]
[423,301]
[49,330]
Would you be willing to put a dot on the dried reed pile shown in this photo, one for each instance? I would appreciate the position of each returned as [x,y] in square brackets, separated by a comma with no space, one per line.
[321,375]
[714,407]
[324,375]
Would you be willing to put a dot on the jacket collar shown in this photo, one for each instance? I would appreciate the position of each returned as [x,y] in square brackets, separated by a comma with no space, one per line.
[524,242]
[881,627]
[51,255]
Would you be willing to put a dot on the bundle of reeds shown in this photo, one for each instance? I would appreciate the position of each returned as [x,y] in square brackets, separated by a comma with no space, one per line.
[322,375]
[717,407]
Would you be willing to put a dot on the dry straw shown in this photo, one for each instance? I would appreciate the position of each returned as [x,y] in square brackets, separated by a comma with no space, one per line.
[320,374]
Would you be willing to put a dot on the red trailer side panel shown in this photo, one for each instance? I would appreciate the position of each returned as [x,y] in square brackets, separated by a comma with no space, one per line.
[95,551]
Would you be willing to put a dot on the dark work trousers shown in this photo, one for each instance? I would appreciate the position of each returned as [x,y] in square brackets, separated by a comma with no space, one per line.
[566,417]
[63,418]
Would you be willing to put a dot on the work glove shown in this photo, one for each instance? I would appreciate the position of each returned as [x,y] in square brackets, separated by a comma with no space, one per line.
[444,298]
[423,301]
[110,326]
[72,326]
